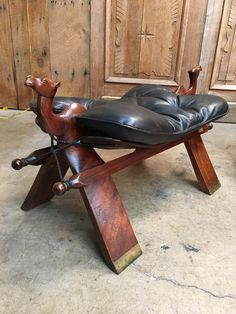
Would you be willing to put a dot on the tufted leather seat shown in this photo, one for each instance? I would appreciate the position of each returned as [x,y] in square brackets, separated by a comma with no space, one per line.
[147,115]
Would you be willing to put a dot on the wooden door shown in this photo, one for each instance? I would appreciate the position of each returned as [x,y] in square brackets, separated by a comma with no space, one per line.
[144,41]
[219,50]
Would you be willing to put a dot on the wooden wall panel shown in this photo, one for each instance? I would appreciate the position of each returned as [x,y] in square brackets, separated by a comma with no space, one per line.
[39,38]
[130,42]
[97,51]
[8,96]
[194,19]
[209,45]
[44,38]
[69,45]
[20,41]
[224,72]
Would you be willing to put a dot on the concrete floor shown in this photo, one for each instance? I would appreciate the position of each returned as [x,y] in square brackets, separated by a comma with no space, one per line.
[49,262]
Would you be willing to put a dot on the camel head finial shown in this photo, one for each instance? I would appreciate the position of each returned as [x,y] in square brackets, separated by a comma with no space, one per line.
[43,86]
[196,69]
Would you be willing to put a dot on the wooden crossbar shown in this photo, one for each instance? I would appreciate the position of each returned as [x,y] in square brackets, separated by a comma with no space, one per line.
[87,176]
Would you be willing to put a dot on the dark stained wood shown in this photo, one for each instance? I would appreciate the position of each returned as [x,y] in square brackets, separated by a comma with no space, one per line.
[62,125]
[111,223]
[202,165]
[193,76]
[84,178]
[36,158]
[41,190]
[113,230]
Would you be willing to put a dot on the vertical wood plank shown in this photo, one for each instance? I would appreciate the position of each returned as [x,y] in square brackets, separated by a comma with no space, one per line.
[69,45]
[211,32]
[225,43]
[231,73]
[7,85]
[224,76]
[159,39]
[218,52]
[194,19]
[122,39]
[20,41]
[39,38]
[97,49]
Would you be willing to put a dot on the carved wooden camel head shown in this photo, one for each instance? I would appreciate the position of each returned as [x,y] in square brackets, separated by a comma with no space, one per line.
[62,124]
[193,76]
[43,86]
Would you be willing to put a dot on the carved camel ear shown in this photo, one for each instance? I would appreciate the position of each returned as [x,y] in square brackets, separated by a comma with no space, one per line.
[58,84]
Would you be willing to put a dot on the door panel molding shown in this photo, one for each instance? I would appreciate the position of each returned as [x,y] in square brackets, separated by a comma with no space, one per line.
[224,70]
[144,42]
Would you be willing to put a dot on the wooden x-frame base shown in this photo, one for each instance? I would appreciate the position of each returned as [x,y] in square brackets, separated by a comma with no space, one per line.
[92,177]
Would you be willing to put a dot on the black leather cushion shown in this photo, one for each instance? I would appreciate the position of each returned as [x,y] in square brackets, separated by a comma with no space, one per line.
[147,114]
[60,103]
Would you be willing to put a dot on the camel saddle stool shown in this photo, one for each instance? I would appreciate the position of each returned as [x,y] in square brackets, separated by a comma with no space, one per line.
[148,118]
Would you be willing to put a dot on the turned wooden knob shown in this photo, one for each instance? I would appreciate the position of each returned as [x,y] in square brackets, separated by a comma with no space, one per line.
[17,164]
[210,126]
[60,188]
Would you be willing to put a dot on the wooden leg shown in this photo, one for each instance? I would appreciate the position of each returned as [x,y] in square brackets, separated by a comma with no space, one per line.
[202,165]
[41,190]
[113,230]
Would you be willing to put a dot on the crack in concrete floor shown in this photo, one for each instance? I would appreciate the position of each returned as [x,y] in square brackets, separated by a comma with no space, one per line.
[182,285]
